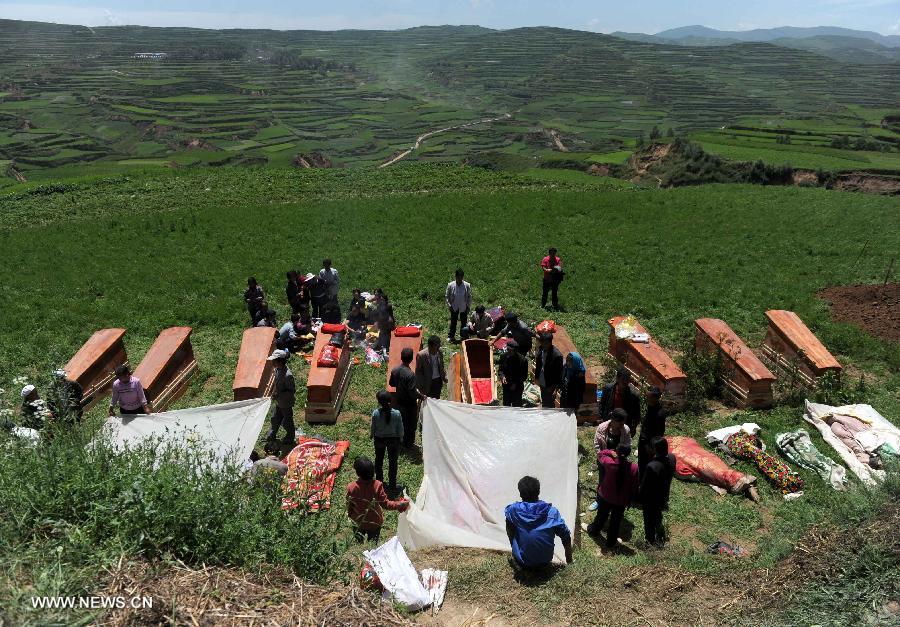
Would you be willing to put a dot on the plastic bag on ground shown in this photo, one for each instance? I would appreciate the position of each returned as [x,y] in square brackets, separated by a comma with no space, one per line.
[397,575]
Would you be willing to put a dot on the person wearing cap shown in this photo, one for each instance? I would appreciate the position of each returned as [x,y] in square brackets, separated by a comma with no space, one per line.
[66,398]
[551,267]
[548,369]
[519,331]
[406,396]
[283,395]
[128,394]
[33,408]
[253,297]
[430,373]
[480,325]
[513,374]
[332,280]
[459,300]
[620,395]
[653,425]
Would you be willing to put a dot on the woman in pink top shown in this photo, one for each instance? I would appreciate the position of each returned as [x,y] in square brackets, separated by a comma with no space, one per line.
[618,484]
[551,265]
[128,394]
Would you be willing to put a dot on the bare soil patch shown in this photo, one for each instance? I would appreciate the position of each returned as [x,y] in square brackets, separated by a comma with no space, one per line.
[873,308]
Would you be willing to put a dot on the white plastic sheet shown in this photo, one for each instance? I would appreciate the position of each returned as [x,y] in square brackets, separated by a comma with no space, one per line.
[474,457]
[229,430]
[397,575]
[881,433]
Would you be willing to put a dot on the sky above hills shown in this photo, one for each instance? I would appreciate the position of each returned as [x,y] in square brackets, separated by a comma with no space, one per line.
[647,16]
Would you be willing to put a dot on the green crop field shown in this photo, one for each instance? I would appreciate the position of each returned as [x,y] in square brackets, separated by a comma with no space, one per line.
[154,250]
[359,99]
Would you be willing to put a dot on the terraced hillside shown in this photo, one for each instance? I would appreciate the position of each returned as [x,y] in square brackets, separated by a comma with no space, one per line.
[70,96]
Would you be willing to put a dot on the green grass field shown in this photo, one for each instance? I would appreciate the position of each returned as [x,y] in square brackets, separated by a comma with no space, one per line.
[154,250]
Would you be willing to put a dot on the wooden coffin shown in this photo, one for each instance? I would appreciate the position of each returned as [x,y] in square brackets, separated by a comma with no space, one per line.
[93,366]
[254,376]
[454,377]
[747,381]
[167,367]
[790,345]
[326,386]
[648,363]
[478,377]
[589,409]
[397,346]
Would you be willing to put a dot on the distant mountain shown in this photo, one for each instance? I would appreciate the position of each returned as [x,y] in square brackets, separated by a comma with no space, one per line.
[771,34]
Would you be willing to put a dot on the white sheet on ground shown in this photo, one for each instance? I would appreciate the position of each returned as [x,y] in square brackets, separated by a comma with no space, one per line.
[397,575]
[882,432]
[229,430]
[720,435]
[474,457]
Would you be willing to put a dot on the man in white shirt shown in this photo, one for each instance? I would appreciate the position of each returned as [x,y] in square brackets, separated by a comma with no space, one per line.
[459,300]
[331,278]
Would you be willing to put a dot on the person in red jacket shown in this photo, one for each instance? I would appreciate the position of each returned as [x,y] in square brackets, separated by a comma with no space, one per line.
[367,500]
[551,267]
[618,485]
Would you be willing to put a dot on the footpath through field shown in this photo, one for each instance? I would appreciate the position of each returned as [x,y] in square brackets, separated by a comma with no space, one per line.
[425,136]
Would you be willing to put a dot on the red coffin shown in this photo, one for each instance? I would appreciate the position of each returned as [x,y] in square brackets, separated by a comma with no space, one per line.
[397,346]
[747,380]
[93,366]
[326,386]
[790,344]
[254,375]
[167,367]
[647,362]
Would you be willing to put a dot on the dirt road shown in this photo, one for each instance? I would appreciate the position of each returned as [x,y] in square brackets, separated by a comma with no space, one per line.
[425,136]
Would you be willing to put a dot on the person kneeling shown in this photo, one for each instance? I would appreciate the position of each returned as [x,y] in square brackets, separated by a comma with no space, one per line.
[365,499]
[532,525]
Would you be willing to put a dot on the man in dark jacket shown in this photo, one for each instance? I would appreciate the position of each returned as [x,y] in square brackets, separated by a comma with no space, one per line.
[653,425]
[283,395]
[318,294]
[619,395]
[548,370]
[407,395]
[519,331]
[654,490]
[513,373]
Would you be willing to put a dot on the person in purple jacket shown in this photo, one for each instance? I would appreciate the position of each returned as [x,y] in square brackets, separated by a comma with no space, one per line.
[533,525]
[618,485]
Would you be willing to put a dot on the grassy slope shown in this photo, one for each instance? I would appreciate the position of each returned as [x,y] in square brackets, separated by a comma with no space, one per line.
[150,253]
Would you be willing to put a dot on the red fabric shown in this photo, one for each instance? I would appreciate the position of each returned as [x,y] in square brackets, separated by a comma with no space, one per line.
[547,326]
[329,356]
[609,487]
[407,332]
[331,329]
[692,461]
[617,398]
[365,500]
[312,467]
[483,390]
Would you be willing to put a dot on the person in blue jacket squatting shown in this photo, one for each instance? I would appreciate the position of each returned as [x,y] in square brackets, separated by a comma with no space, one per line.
[532,526]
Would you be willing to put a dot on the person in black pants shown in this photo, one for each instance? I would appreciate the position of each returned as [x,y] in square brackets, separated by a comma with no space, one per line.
[653,425]
[654,490]
[406,396]
[548,370]
[459,300]
[387,435]
[551,266]
[513,373]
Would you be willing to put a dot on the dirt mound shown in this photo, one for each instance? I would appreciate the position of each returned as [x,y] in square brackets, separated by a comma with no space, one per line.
[873,308]
[869,183]
[199,144]
[805,178]
[651,156]
[599,169]
[313,160]
[229,596]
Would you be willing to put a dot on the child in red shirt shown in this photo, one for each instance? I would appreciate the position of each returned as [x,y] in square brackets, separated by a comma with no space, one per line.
[365,499]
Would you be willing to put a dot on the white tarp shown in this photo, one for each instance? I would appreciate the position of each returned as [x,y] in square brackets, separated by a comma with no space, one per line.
[881,433]
[230,429]
[474,457]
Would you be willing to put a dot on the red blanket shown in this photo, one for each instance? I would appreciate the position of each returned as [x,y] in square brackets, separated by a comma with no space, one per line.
[483,391]
[693,462]
[312,468]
